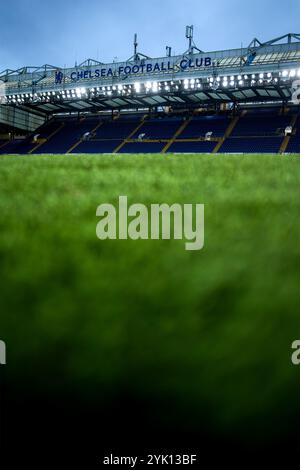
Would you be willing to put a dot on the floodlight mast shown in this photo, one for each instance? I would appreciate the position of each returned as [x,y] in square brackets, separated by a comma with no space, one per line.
[137,56]
[135,45]
[189,34]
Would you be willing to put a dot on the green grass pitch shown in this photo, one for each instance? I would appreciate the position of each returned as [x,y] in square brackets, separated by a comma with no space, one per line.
[207,334]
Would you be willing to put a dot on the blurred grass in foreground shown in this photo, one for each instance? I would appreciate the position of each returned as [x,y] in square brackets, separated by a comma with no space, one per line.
[202,338]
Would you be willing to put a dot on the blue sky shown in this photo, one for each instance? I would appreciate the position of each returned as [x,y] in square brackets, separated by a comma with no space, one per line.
[60,32]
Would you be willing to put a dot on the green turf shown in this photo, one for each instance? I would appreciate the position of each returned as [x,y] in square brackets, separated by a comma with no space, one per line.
[209,333]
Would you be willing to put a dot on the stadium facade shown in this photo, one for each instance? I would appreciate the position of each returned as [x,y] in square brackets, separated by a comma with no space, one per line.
[208,93]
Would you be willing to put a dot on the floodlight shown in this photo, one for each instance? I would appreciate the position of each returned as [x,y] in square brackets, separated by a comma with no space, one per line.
[155,87]
[137,87]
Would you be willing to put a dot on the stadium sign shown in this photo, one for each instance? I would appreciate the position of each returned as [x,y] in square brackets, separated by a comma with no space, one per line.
[144,67]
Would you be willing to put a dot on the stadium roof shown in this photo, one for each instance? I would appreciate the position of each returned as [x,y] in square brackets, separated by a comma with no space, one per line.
[264,71]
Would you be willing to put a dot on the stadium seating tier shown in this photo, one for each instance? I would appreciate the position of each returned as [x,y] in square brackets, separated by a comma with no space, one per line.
[253,131]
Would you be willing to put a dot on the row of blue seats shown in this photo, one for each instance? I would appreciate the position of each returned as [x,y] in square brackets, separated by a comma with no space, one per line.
[108,134]
[72,131]
[67,136]
[26,145]
[261,125]
[108,146]
[231,145]
[252,145]
[163,128]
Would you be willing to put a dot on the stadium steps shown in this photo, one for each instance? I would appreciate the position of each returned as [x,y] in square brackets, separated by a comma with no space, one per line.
[125,141]
[227,134]
[177,134]
[287,138]
[4,144]
[47,139]
[73,147]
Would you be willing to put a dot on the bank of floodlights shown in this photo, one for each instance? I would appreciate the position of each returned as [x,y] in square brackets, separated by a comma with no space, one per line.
[182,85]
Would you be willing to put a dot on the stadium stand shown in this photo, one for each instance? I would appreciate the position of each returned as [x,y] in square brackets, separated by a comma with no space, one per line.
[246,131]
[97,146]
[199,126]
[256,124]
[257,132]
[161,128]
[251,145]
[117,128]
[10,147]
[108,135]
[67,134]
[237,100]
